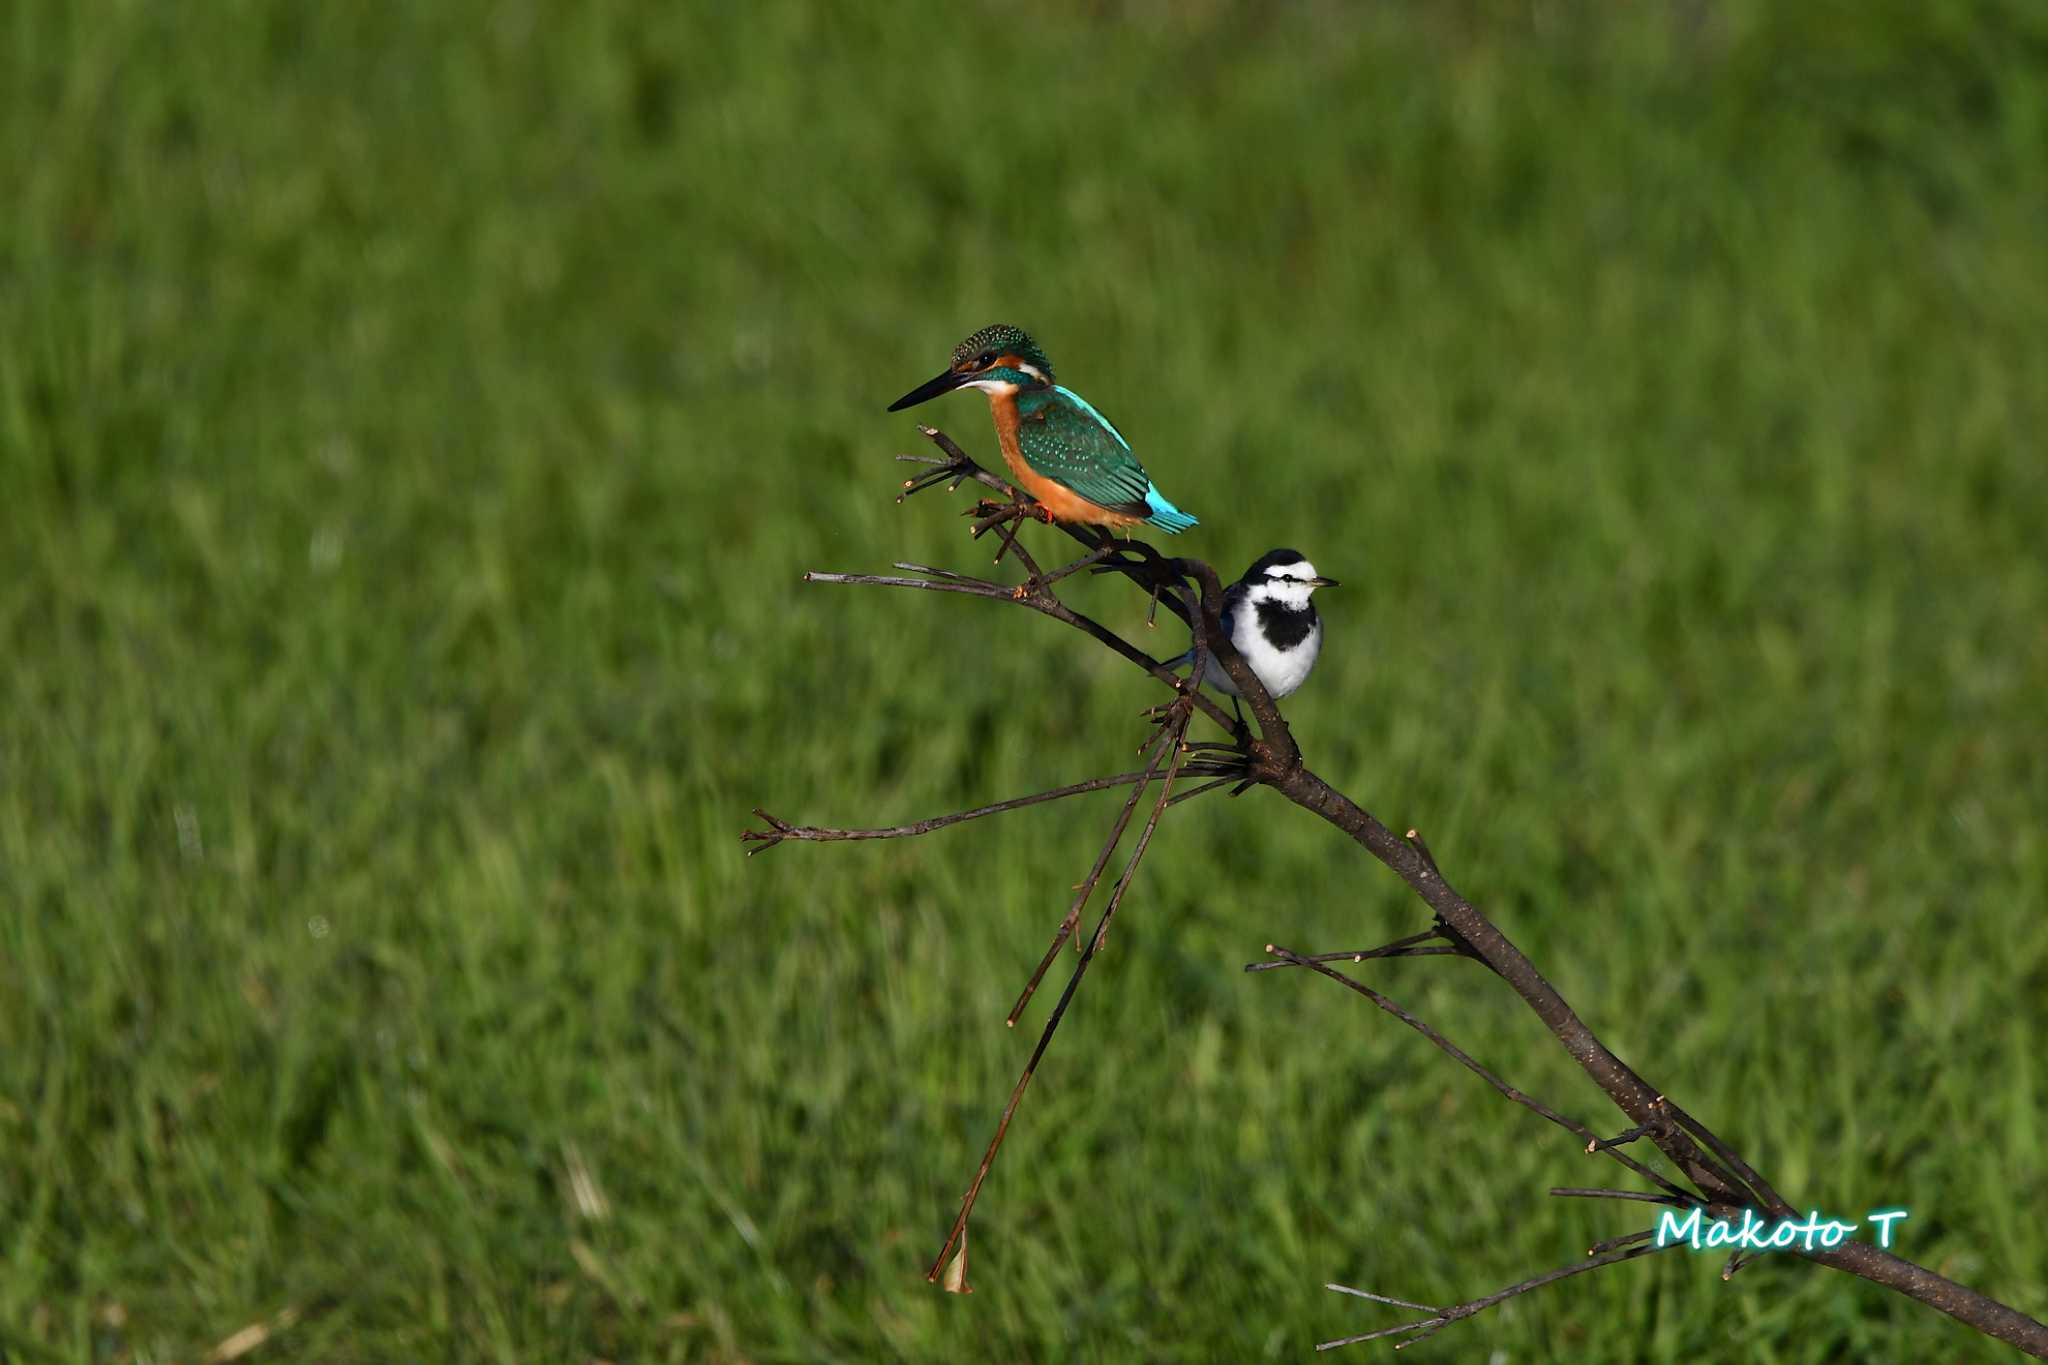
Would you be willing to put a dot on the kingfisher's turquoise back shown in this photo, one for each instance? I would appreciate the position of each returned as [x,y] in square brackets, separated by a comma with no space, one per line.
[1063,437]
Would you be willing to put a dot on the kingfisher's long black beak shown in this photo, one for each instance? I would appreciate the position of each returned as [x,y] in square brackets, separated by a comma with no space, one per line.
[1322,583]
[930,389]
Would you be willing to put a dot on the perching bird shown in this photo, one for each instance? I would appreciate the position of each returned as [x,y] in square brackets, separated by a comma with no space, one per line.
[1059,448]
[1269,617]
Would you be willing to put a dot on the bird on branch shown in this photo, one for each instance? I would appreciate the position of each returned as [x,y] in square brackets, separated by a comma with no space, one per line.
[1059,448]
[1270,620]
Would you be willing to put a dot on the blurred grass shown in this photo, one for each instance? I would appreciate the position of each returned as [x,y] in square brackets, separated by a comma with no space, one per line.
[413,424]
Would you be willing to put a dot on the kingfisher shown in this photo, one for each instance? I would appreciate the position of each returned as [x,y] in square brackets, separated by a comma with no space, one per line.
[1059,448]
[1269,618]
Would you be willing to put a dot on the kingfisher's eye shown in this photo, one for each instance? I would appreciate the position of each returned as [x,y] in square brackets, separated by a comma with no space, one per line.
[984,360]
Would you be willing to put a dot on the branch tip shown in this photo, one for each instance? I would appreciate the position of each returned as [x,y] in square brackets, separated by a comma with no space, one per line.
[956,1273]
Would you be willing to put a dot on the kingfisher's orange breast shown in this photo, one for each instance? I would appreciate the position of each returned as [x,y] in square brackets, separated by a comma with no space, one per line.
[1063,502]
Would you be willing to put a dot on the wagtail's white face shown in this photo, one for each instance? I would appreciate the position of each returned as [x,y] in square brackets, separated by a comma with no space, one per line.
[1286,582]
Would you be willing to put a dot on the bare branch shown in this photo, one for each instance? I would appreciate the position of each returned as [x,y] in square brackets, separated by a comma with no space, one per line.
[1618,1140]
[1045,604]
[1414,837]
[1400,947]
[960,583]
[1430,1326]
[778,830]
[1627,1239]
[1766,1196]
[1384,1298]
[1194,792]
[1081,895]
[1092,559]
[958,1234]
[1643,1196]
[1463,1059]
[1630,1093]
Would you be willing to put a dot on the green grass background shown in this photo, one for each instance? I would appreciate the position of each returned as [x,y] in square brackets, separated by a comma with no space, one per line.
[413,425]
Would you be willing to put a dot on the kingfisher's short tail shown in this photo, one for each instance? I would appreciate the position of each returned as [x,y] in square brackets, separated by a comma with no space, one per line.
[1165,515]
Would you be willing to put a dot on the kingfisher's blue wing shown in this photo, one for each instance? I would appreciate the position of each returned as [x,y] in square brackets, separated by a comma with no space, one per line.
[1069,442]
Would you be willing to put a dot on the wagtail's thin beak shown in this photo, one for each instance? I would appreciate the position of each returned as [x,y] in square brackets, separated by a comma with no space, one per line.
[1322,582]
[930,389]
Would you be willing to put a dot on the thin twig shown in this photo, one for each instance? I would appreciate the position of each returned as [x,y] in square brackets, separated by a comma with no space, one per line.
[958,1233]
[1384,1298]
[1093,557]
[1460,1056]
[1414,837]
[1400,947]
[972,587]
[1765,1195]
[1430,1326]
[1627,1239]
[779,830]
[1081,895]
[1046,604]
[1361,955]
[952,574]
[1619,1139]
[1641,1196]
[1194,792]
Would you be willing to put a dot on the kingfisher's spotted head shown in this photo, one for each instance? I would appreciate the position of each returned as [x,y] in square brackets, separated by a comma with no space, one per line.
[999,346]
[999,359]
